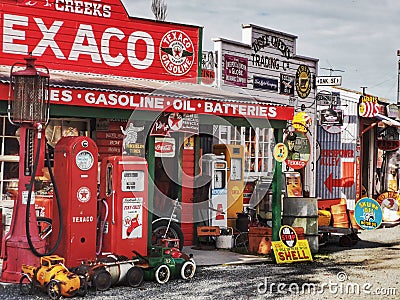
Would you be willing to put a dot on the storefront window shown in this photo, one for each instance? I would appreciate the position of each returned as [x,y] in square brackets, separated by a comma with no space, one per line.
[257,144]
[9,154]
[9,158]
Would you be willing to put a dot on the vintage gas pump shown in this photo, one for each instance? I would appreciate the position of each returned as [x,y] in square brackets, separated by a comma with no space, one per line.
[30,109]
[215,166]
[124,187]
[234,155]
[76,172]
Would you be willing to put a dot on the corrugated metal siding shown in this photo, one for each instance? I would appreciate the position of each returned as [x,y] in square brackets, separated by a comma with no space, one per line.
[336,168]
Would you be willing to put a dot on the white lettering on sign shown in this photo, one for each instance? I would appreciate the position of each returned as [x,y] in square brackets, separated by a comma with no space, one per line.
[240,109]
[85,219]
[84,43]
[83,8]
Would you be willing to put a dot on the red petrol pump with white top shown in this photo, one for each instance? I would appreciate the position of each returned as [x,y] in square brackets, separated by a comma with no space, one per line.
[76,173]
[124,205]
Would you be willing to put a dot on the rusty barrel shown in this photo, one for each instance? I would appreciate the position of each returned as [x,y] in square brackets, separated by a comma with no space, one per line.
[339,215]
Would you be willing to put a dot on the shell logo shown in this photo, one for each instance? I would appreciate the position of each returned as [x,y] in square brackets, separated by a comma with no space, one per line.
[235,190]
[368,109]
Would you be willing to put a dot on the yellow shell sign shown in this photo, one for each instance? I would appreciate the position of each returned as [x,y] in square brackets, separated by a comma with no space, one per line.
[301,121]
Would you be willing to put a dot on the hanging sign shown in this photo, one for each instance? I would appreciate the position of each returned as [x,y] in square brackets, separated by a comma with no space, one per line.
[299,150]
[368,213]
[290,249]
[303,81]
[301,121]
[175,122]
[280,152]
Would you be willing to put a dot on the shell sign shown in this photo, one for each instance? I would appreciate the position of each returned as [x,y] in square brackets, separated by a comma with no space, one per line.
[368,109]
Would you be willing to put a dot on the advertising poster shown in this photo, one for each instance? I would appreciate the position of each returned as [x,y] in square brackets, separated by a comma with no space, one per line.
[235,70]
[299,149]
[132,212]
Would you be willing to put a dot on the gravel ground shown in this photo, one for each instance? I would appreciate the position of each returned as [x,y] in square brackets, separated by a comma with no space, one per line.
[369,270]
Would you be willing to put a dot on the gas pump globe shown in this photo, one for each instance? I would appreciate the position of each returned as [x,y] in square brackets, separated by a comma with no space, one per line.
[28,106]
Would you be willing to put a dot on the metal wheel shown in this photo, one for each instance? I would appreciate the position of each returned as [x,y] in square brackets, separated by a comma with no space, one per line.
[134,277]
[188,269]
[83,286]
[25,285]
[174,232]
[45,227]
[242,240]
[54,289]
[102,280]
[162,274]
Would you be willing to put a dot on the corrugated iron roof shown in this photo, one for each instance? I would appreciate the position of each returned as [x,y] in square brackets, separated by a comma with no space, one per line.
[109,83]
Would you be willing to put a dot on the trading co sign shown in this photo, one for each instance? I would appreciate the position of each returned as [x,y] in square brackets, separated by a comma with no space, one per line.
[96,36]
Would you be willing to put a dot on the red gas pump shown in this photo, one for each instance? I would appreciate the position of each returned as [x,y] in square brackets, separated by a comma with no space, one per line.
[124,190]
[76,171]
[29,107]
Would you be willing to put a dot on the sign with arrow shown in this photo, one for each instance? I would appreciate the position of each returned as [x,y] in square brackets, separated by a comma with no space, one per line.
[329,80]
[347,180]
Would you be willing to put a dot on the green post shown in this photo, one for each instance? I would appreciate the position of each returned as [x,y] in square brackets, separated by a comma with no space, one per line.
[150,164]
[277,191]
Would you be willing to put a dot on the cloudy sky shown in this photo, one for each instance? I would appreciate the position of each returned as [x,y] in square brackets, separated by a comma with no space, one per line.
[359,37]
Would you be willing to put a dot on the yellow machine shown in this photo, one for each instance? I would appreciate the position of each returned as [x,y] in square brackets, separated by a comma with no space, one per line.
[53,277]
[234,156]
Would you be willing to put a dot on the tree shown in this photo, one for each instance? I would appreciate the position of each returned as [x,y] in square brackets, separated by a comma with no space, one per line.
[159,8]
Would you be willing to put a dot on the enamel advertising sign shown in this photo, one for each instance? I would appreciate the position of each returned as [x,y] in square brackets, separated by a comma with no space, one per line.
[96,36]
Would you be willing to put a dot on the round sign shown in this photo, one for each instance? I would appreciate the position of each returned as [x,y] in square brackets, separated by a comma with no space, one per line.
[299,150]
[177,52]
[83,194]
[84,160]
[288,236]
[280,152]
[389,202]
[303,81]
[368,213]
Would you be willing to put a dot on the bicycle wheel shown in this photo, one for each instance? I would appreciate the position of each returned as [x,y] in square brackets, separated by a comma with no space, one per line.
[45,227]
[242,240]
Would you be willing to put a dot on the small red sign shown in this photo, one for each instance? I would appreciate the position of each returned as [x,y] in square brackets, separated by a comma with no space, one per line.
[387,145]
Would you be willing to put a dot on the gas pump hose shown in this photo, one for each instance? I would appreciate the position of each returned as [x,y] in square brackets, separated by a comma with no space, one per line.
[31,184]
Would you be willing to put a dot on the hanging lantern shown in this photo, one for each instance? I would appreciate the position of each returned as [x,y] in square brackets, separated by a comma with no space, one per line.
[30,102]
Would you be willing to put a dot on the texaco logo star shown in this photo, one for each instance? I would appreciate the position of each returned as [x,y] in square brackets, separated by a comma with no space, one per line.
[83,194]
[177,52]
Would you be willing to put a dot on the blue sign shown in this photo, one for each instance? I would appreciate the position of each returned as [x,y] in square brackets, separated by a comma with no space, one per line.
[269,84]
[368,213]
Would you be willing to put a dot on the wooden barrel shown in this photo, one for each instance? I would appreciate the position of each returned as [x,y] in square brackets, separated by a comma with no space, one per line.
[339,216]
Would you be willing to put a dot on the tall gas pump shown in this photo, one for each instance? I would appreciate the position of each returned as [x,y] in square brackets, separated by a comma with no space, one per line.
[124,205]
[76,167]
[28,106]
[234,155]
[215,167]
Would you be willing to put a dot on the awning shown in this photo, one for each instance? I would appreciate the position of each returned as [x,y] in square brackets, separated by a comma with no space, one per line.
[388,121]
[107,91]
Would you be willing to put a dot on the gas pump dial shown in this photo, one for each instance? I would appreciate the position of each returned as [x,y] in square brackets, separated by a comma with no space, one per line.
[84,160]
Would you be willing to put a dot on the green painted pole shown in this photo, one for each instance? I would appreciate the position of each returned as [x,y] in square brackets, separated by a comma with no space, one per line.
[277,191]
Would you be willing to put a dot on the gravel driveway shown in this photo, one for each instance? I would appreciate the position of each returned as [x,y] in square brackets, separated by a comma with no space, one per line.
[368,270]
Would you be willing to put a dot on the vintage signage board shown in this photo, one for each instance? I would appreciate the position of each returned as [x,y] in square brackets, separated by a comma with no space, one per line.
[290,249]
[97,36]
[368,213]
[329,80]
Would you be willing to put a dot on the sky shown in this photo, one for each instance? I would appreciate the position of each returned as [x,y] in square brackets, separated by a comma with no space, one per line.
[357,39]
